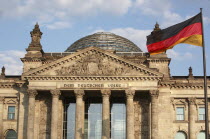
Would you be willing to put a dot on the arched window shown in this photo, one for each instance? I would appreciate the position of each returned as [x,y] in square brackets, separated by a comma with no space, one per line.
[201,135]
[11,134]
[180,135]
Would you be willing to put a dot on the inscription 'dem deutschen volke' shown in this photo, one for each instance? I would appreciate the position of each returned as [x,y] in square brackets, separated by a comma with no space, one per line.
[93,85]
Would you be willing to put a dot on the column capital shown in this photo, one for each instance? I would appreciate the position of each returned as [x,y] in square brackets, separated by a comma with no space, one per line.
[32,92]
[192,100]
[154,93]
[55,93]
[79,93]
[129,93]
[105,92]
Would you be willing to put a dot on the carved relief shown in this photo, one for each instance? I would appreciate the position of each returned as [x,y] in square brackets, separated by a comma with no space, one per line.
[129,93]
[192,101]
[45,117]
[154,93]
[94,65]
[55,93]
[32,92]
[106,92]
[79,93]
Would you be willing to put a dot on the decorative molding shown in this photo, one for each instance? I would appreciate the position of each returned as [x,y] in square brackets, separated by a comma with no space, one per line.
[32,92]
[55,93]
[93,78]
[174,85]
[192,100]
[105,92]
[79,93]
[7,85]
[154,93]
[129,93]
[176,102]
[13,101]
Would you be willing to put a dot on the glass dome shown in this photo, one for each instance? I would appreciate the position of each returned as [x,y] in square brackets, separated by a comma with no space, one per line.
[105,40]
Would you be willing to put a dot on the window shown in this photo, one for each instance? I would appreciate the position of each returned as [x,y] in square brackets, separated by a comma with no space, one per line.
[11,112]
[11,134]
[93,118]
[201,135]
[201,113]
[180,113]
[118,119]
[180,135]
[69,118]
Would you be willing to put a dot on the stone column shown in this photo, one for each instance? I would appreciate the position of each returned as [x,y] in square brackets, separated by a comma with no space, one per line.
[31,113]
[106,114]
[1,117]
[54,115]
[154,113]
[79,125]
[192,117]
[129,114]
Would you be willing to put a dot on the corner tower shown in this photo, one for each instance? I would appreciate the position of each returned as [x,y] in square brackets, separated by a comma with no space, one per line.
[34,56]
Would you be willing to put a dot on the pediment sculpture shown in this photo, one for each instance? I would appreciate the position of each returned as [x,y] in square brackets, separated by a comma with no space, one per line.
[94,65]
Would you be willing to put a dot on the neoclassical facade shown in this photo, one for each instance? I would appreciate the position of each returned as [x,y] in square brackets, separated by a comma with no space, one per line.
[102,87]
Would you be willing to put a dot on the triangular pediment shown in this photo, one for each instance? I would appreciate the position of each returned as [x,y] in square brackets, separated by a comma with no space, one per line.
[93,61]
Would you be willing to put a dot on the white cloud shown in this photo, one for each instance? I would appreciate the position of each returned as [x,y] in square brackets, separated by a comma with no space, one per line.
[11,61]
[153,7]
[135,35]
[160,9]
[179,56]
[56,10]
[59,25]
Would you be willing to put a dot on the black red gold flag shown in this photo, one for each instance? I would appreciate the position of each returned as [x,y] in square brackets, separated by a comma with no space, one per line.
[189,31]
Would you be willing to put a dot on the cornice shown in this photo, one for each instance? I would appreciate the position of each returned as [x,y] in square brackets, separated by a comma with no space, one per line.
[174,85]
[7,85]
[159,59]
[88,78]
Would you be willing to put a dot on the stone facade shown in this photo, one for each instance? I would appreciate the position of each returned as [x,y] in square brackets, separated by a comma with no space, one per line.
[152,96]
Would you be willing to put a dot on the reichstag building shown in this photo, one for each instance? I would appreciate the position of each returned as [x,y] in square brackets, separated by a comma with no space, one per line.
[102,87]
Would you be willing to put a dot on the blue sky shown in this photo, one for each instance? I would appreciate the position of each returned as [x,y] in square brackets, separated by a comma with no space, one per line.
[65,21]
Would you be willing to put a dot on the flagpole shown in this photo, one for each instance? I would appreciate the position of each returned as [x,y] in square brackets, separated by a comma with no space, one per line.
[205,82]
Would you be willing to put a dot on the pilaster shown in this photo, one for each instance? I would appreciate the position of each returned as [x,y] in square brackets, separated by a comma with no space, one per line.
[192,117]
[154,113]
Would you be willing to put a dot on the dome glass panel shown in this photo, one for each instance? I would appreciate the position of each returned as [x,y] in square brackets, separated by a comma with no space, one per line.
[106,41]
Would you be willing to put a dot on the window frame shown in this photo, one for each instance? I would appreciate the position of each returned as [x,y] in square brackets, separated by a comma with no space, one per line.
[201,114]
[11,113]
[177,119]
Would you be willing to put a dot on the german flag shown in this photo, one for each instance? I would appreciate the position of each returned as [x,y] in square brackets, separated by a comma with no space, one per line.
[189,31]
